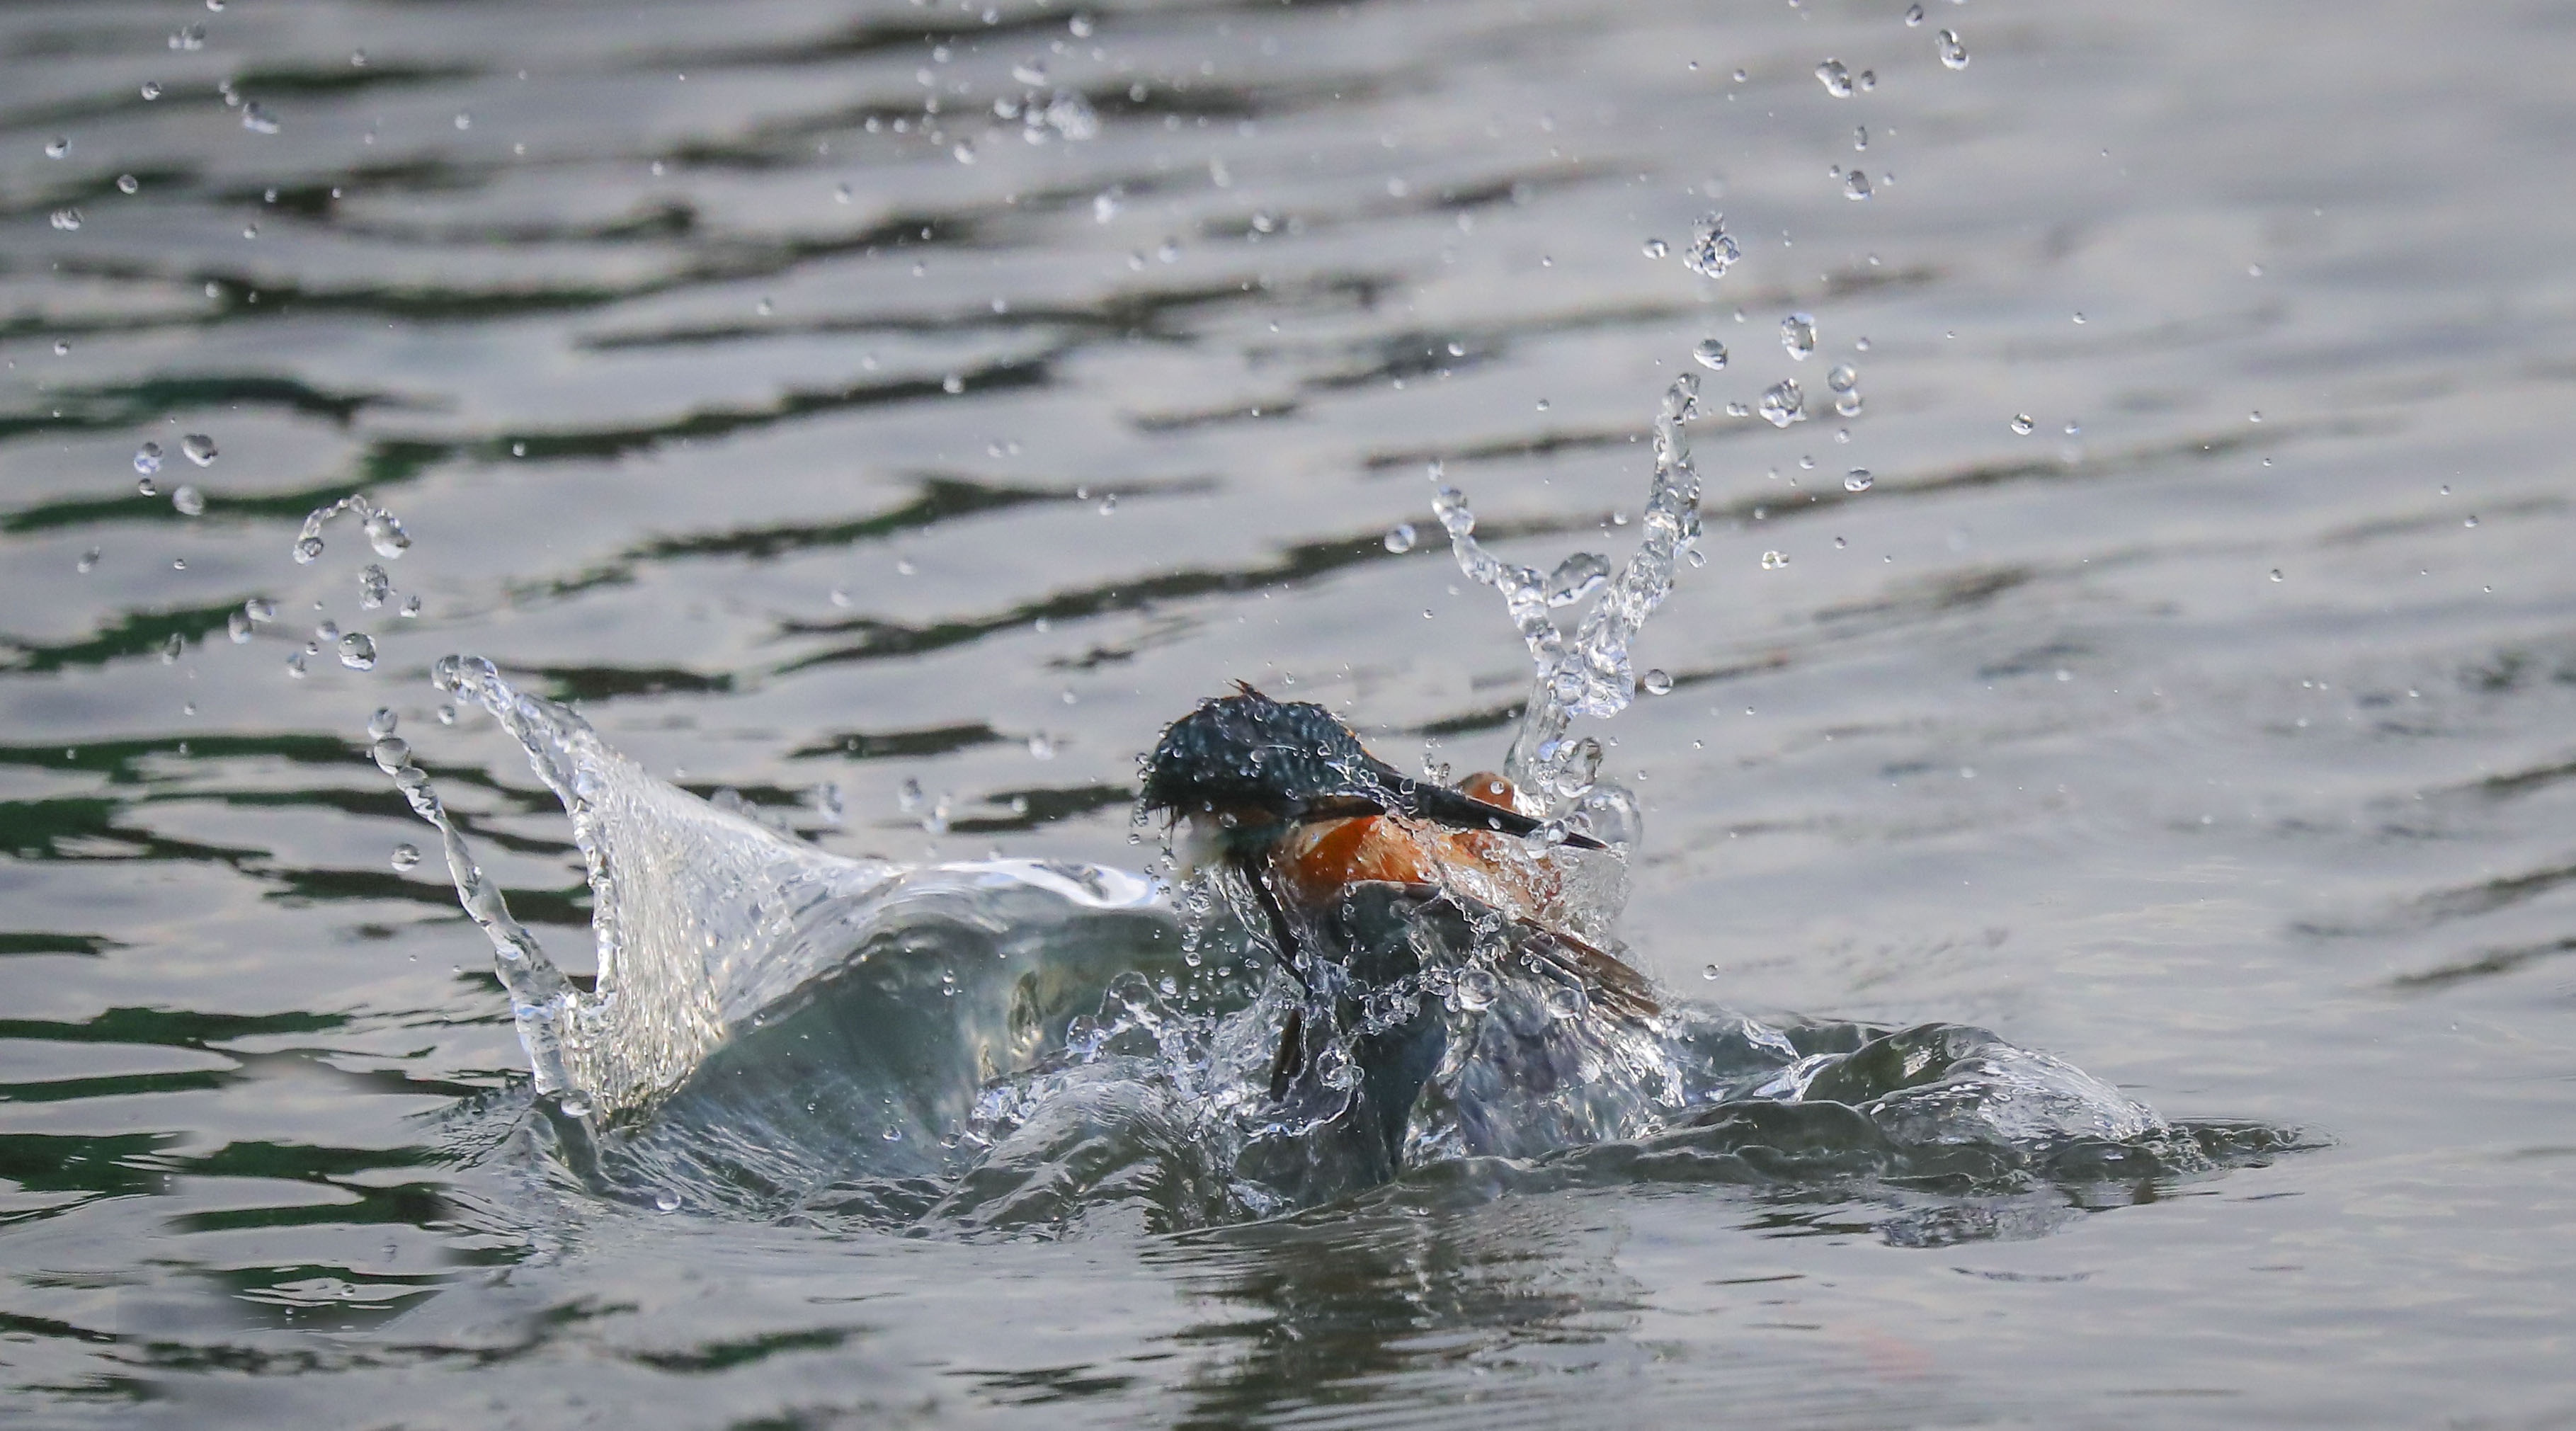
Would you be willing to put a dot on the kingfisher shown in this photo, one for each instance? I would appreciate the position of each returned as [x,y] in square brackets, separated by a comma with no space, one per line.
[1363,874]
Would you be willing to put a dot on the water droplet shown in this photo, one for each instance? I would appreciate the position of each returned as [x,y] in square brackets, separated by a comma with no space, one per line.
[67,219]
[358,651]
[374,585]
[1712,251]
[2471,522]
[199,448]
[1658,682]
[1657,248]
[1836,79]
[1773,561]
[952,384]
[1849,405]
[171,648]
[238,626]
[1798,335]
[188,37]
[1710,353]
[2255,416]
[1855,185]
[1860,136]
[2276,573]
[151,90]
[406,856]
[1954,55]
[147,459]
[189,501]
[1783,403]
[260,608]
[1577,577]
[1843,378]
[57,147]
[2023,425]
[1400,537]
[307,550]
[465,121]
[1708,971]
[1857,480]
[1913,15]
[127,184]
[2074,429]
[258,120]
[295,665]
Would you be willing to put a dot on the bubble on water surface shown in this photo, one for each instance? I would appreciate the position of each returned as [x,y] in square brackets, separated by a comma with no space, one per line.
[1710,353]
[1798,335]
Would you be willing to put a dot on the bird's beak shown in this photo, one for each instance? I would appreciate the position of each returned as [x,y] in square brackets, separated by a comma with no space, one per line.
[1435,804]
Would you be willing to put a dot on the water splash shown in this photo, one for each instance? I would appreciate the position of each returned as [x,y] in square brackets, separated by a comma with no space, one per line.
[1587,674]
[704,919]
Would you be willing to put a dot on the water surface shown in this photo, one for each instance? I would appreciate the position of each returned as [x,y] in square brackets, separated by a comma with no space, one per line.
[803,456]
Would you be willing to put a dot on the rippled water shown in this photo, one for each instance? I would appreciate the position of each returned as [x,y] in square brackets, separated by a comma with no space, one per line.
[2172,671]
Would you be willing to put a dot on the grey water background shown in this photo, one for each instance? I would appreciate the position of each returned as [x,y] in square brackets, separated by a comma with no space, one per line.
[646,319]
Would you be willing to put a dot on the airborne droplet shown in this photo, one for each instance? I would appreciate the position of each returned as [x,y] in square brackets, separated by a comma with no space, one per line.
[200,449]
[1710,353]
[2023,425]
[1783,403]
[1798,335]
[406,856]
[1658,682]
[1400,537]
[1857,480]
[1954,55]
[358,651]
[1712,251]
[189,501]
[1835,78]
[147,459]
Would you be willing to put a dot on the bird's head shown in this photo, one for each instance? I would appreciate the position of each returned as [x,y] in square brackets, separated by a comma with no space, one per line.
[1244,770]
